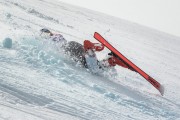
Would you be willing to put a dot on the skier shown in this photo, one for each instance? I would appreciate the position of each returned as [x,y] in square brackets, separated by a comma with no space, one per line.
[85,54]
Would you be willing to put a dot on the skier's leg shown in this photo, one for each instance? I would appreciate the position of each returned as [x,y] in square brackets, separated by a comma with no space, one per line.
[91,61]
[114,60]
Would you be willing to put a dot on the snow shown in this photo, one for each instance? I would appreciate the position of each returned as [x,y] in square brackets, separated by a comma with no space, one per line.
[37,82]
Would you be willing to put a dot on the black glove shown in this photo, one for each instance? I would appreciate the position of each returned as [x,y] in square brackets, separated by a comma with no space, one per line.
[113,54]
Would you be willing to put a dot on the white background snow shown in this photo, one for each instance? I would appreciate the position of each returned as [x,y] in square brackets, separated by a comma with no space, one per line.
[39,83]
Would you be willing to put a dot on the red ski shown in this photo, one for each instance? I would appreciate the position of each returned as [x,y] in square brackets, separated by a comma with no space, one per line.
[156,84]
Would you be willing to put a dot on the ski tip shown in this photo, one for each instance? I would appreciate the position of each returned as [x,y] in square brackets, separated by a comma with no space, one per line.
[95,34]
[161,90]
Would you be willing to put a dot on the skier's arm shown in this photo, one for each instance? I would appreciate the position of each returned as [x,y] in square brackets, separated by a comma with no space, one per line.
[94,46]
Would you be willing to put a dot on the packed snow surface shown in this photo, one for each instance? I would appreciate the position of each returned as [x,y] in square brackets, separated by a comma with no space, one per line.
[38,82]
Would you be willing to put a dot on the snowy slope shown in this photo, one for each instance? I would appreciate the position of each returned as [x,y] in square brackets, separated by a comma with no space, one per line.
[39,83]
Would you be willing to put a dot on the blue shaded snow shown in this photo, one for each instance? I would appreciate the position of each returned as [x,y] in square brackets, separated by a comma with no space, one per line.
[44,56]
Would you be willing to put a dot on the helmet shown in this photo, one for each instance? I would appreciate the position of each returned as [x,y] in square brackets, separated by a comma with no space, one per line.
[45,33]
[45,30]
